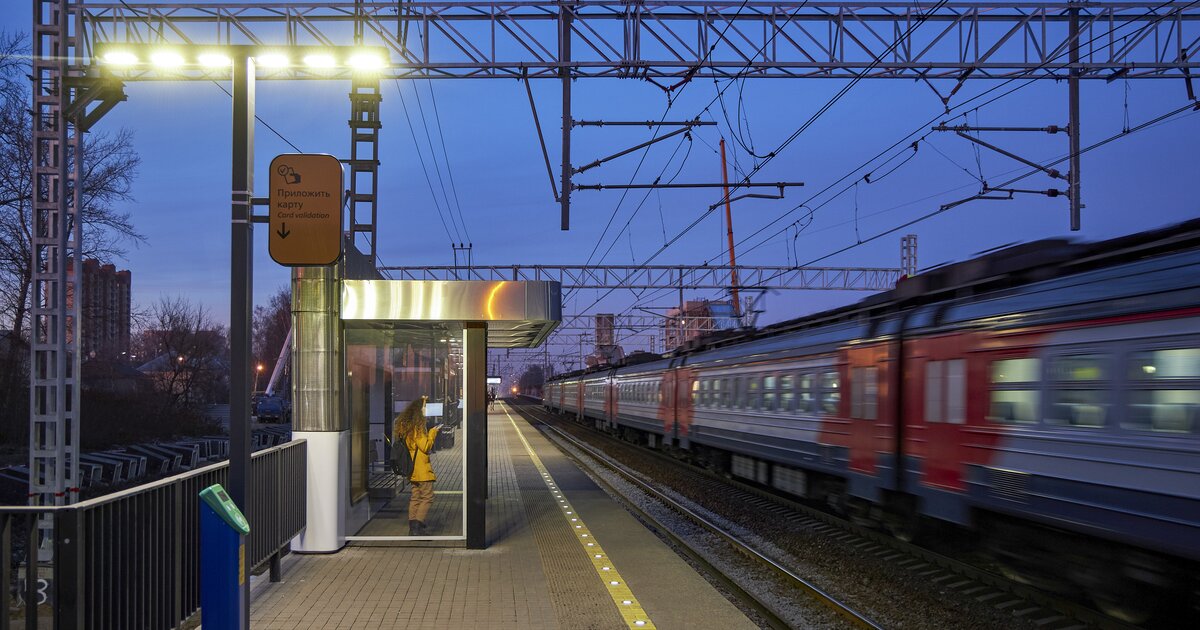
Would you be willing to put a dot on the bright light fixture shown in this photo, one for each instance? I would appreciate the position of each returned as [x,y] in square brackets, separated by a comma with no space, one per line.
[166,59]
[272,60]
[365,61]
[120,58]
[214,60]
[321,60]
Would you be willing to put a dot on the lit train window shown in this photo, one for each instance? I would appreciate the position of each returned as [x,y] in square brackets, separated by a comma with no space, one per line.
[753,392]
[695,393]
[831,395]
[1164,391]
[769,394]
[1079,391]
[787,393]
[1015,394]
[807,401]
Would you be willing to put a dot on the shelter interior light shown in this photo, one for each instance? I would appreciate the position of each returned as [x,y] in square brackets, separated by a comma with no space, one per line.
[272,60]
[214,60]
[166,59]
[319,60]
[120,58]
[366,61]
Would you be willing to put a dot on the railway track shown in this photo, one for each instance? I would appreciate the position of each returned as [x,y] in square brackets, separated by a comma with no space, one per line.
[955,576]
[774,617]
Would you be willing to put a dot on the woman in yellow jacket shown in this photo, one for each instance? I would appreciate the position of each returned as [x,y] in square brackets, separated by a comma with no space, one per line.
[410,427]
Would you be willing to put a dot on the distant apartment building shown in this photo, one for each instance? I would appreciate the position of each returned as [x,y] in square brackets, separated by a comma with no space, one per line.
[696,319]
[105,310]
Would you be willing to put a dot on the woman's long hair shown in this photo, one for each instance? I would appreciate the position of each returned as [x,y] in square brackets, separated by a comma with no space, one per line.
[412,418]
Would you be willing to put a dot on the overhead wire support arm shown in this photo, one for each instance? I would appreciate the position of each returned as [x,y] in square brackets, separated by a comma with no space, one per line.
[780,185]
[618,154]
[1052,172]
[644,123]
[1051,129]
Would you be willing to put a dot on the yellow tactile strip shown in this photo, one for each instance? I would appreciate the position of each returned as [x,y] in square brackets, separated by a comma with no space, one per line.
[631,611]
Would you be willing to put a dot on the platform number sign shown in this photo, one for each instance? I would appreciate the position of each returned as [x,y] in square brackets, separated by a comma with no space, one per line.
[305,209]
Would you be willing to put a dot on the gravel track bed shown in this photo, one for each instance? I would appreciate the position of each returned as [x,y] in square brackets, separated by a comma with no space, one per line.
[892,596]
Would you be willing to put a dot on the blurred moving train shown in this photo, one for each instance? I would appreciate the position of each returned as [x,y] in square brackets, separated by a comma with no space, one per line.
[1045,396]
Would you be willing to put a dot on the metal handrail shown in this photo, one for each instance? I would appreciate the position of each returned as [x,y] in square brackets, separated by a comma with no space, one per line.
[132,558]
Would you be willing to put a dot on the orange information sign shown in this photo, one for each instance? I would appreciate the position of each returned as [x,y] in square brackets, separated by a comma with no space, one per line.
[306,209]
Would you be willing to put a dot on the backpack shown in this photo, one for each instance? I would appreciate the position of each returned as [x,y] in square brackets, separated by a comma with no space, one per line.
[402,461]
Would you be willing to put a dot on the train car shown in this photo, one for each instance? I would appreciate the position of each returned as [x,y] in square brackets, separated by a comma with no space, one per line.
[1046,396]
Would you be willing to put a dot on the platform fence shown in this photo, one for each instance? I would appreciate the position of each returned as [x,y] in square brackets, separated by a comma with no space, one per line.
[131,559]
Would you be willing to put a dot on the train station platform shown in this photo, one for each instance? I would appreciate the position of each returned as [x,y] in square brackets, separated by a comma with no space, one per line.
[561,554]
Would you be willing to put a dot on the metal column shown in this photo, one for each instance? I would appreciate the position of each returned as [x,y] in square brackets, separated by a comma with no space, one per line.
[564,54]
[56,267]
[475,409]
[364,160]
[1073,121]
[241,303]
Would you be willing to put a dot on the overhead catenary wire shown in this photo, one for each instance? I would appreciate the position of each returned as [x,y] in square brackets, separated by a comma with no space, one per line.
[791,138]
[424,169]
[924,126]
[812,210]
[437,168]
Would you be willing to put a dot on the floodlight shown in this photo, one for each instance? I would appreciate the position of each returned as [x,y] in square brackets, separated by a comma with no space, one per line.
[366,61]
[166,59]
[120,58]
[319,60]
[214,60]
[272,60]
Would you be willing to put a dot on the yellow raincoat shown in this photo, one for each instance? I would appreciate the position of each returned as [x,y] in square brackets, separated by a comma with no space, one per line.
[418,446]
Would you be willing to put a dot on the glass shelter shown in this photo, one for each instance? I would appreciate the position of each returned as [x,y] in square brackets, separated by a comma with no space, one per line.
[416,349]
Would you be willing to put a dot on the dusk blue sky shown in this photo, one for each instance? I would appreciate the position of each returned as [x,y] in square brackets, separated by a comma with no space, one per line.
[182,133]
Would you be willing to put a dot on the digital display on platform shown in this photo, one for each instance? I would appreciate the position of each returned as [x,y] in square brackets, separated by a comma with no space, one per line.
[493,380]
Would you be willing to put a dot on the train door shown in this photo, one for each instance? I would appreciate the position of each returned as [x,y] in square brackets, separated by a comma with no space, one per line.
[870,416]
[610,400]
[686,388]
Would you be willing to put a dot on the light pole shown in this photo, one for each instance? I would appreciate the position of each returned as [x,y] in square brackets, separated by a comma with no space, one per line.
[257,370]
[240,62]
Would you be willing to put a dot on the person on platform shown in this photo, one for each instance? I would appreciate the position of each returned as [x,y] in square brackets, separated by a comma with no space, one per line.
[410,430]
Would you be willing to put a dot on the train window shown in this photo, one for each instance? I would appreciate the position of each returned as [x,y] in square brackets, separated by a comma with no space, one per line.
[1158,365]
[1164,391]
[726,393]
[787,394]
[1015,395]
[956,391]
[1080,394]
[769,395]
[946,391]
[830,395]
[935,375]
[753,392]
[806,398]
[864,393]
[695,393]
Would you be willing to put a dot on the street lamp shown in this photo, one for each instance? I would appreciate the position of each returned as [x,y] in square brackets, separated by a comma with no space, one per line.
[257,370]
[207,63]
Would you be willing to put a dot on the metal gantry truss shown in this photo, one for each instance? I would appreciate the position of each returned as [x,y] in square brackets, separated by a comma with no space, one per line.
[677,39]
[670,42]
[666,276]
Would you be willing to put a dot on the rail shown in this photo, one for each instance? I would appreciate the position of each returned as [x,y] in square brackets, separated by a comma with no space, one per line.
[131,559]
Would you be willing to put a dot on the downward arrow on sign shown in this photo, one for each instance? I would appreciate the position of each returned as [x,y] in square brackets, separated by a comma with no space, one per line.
[283,232]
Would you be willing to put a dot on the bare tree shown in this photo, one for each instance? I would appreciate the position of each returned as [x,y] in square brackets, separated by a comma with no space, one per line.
[272,322]
[110,165]
[187,354]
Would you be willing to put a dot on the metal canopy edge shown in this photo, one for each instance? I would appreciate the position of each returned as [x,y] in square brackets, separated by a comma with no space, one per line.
[520,314]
